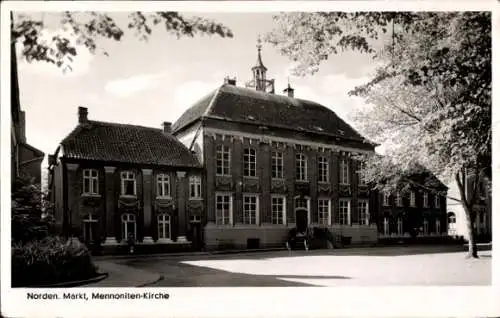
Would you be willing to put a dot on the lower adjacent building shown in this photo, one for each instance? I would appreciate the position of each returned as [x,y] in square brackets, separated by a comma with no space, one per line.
[112,183]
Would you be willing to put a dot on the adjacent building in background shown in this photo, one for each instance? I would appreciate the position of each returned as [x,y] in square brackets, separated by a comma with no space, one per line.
[112,183]
[273,162]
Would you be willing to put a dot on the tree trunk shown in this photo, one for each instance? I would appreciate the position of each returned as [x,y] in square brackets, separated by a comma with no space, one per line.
[470,217]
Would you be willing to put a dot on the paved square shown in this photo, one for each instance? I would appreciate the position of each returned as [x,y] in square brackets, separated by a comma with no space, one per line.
[352,267]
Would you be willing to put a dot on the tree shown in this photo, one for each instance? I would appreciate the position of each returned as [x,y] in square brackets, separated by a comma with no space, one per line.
[430,100]
[89,27]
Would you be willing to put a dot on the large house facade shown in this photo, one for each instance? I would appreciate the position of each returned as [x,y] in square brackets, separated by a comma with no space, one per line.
[113,183]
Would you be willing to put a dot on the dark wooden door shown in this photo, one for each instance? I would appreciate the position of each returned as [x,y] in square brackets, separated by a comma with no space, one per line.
[301,220]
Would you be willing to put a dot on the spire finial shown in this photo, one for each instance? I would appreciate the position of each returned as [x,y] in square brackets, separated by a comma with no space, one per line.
[259,43]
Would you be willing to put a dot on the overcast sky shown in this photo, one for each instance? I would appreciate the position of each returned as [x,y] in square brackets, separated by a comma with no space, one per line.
[146,83]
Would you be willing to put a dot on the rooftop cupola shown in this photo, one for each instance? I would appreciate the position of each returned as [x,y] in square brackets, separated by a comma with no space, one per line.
[259,81]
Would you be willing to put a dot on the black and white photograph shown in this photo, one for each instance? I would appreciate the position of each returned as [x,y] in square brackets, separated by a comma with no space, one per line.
[167,147]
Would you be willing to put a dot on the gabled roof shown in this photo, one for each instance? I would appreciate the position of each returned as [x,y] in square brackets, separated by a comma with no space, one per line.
[239,104]
[95,140]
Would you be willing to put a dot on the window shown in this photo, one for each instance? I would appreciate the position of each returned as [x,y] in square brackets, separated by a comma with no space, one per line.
[249,162]
[195,219]
[129,227]
[163,226]
[223,209]
[438,226]
[163,185]
[302,203]
[386,226]
[400,227]
[278,210]
[128,183]
[425,198]
[412,198]
[322,169]
[361,173]
[344,212]
[90,181]
[399,199]
[250,209]
[223,158]
[277,165]
[426,227]
[300,167]
[364,213]
[437,201]
[324,211]
[89,228]
[344,171]
[385,199]
[194,187]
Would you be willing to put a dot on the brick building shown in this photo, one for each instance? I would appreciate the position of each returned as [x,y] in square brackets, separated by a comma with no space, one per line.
[112,181]
[273,162]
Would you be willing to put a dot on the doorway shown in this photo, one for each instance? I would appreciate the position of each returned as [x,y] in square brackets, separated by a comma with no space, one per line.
[301,220]
[195,232]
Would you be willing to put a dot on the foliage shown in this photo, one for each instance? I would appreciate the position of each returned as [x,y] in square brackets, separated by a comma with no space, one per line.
[89,27]
[51,260]
[32,217]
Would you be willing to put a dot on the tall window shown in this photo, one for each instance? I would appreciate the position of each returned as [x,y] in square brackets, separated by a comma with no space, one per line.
[302,203]
[385,199]
[344,171]
[277,165]
[128,183]
[344,212]
[425,198]
[361,174]
[163,185]
[300,167]
[412,198]
[426,227]
[278,210]
[195,187]
[129,227]
[249,162]
[386,226]
[90,181]
[223,160]
[250,209]
[164,226]
[437,201]
[324,211]
[364,213]
[89,228]
[322,169]
[223,209]
[399,199]
[452,220]
[400,226]
[438,226]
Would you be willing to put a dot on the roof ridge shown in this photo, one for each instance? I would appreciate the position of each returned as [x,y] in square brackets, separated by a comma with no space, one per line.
[212,101]
[122,125]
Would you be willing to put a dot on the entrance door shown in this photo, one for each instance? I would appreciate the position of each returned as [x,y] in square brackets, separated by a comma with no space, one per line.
[301,220]
[196,235]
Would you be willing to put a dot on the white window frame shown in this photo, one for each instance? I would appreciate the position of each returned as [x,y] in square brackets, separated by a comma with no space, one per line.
[361,176]
[164,221]
[341,213]
[437,201]
[249,162]
[88,219]
[308,206]
[248,220]
[412,199]
[328,212]
[230,211]
[223,163]
[300,167]
[92,175]
[163,185]
[363,212]
[438,226]
[277,165]
[344,171]
[128,176]
[275,218]
[195,187]
[385,199]
[323,169]
[125,219]
[386,227]
[399,199]
[400,226]
[425,199]
[426,227]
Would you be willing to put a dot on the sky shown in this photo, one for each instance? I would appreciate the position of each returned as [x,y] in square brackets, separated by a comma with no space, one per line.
[147,83]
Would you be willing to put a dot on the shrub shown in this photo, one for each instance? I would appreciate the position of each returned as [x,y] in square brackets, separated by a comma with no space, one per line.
[51,260]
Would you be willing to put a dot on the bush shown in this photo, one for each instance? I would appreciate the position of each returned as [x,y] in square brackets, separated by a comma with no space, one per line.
[50,261]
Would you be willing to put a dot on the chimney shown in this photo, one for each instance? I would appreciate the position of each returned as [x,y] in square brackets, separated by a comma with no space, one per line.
[82,115]
[167,127]
[289,90]
[230,81]
[22,126]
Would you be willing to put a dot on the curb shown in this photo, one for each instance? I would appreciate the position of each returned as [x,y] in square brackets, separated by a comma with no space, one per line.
[75,283]
[160,277]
